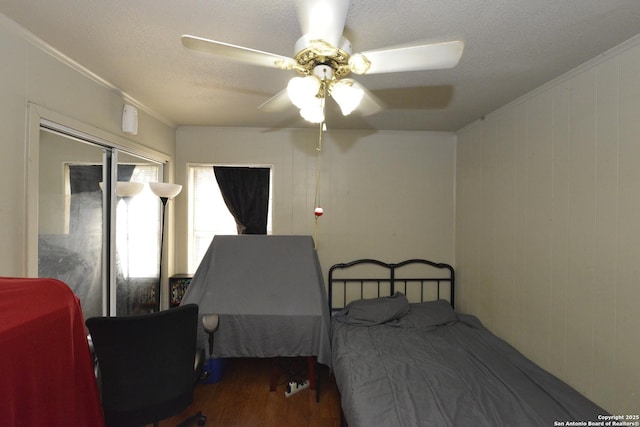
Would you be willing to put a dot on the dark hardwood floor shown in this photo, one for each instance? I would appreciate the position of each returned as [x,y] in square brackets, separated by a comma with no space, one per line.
[242,399]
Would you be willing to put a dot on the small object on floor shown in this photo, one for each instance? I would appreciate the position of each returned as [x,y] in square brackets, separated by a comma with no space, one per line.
[293,387]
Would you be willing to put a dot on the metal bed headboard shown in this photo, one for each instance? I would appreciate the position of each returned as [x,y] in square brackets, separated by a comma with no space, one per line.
[387,284]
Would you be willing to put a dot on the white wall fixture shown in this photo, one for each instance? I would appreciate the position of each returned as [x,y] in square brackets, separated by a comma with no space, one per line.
[130,119]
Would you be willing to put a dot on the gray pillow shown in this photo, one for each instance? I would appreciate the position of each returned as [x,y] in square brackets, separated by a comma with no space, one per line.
[430,313]
[374,311]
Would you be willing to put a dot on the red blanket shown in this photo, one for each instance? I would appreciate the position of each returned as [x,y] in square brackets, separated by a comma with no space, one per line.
[46,372]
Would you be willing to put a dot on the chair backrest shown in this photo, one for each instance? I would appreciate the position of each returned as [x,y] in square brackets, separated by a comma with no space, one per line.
[146,364]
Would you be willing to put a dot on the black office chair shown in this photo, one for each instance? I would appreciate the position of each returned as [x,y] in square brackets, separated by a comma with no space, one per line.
[148,365]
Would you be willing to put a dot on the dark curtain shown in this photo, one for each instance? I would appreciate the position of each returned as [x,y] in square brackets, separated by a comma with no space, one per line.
[85,215]
[86,197]
[246,193]
[125,172]
[85,178]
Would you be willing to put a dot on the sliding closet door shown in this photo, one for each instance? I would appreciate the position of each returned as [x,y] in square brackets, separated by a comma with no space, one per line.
[71,217]
[99,224]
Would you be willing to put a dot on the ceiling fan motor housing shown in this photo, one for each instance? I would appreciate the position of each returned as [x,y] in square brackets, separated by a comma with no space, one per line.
[313,53]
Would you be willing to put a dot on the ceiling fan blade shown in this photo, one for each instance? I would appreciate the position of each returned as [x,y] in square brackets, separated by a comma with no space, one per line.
[278,102]
[238,53]
[370,104]
[323,19]
[413,58]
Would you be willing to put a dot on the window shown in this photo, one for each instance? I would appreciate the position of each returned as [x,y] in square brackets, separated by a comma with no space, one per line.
[208,213]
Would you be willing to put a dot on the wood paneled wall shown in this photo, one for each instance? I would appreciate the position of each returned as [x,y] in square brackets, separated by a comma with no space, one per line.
[386,195]
[548,226]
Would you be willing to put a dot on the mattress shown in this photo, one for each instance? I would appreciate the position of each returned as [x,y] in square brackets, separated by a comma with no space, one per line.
[444,369]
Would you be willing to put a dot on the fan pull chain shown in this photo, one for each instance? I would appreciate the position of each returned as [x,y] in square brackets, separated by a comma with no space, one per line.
[318,211]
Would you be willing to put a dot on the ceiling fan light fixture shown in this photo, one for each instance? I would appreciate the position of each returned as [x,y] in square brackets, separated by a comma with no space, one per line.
[286,64]
[303,90]
[324,59]
[322,47]
[346,95]
[313,112]
[359,64]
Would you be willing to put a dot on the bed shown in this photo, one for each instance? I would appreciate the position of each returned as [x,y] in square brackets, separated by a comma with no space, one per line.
[402,356]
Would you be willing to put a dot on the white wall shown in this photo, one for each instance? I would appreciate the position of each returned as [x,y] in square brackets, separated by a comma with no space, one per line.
[548,226]
[386,195]
[28,74]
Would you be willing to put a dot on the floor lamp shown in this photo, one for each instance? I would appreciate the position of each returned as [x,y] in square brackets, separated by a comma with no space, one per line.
[165,191]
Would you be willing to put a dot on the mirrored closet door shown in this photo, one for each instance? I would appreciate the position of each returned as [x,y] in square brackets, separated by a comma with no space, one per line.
[99,224]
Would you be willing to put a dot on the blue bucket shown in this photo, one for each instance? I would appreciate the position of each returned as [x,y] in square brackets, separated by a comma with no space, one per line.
[214,368]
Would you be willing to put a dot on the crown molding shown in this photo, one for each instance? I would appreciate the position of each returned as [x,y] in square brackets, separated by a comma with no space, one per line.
[37,42]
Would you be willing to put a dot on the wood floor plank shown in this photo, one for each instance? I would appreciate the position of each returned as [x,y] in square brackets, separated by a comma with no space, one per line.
[242,399]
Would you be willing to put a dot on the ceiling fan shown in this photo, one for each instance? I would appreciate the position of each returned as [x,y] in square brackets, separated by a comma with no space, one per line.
[324,59]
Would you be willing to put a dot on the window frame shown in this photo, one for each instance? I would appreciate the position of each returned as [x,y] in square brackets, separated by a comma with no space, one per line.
[192,262]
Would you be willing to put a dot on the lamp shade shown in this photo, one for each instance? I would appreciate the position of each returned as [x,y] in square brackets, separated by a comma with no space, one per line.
[165,189]
[128,188]
[314,111]
[125,188]
[303,90]
[347,95]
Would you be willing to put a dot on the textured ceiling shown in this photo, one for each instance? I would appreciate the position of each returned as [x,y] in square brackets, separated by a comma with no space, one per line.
[511,47]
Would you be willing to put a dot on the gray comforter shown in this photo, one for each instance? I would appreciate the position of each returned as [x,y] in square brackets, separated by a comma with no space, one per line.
[413,371]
